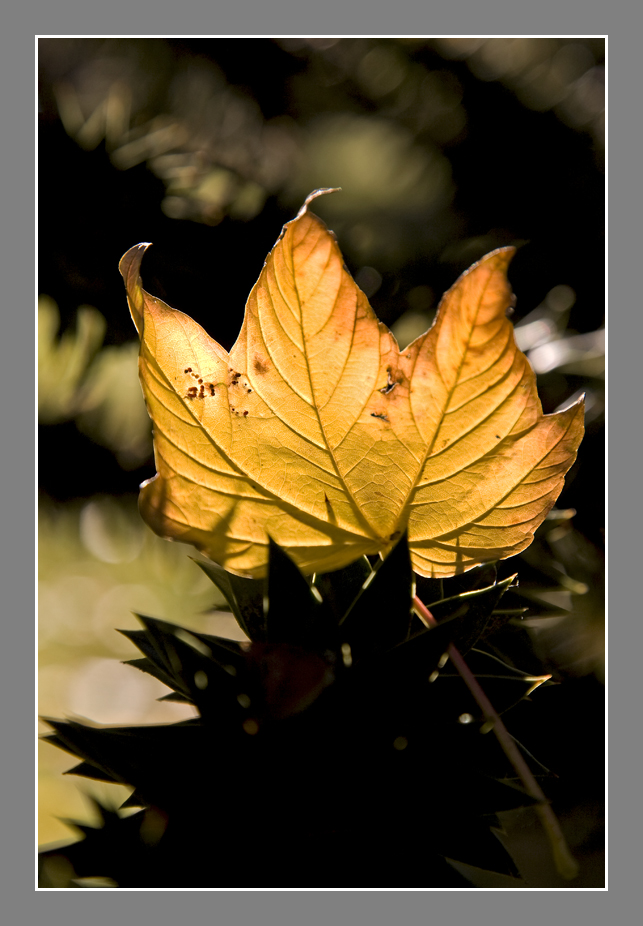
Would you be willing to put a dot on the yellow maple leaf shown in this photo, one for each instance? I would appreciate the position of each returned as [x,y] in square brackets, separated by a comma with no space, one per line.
[317,431]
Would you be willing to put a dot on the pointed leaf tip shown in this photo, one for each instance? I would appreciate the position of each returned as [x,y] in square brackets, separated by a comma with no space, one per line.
[132,258]
[129,267]
[322,191]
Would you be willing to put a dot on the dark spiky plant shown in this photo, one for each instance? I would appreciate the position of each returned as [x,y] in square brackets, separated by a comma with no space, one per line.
[337,748]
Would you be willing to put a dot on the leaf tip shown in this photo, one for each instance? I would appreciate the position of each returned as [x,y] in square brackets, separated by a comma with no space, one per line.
[314,195]
[131,260]
[575,410]
[129,266]
[502,257]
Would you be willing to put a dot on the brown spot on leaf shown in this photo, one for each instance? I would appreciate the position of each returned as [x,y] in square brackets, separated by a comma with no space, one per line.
[390,383]
[260,364]
[332,517]
[191,392]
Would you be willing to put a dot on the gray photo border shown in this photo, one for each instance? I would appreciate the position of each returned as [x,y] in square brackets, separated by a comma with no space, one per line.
[24,903]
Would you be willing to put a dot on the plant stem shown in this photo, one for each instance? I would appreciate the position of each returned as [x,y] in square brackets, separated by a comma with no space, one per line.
[565,863]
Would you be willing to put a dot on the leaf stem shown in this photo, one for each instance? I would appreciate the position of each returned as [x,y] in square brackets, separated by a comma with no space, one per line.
[565,863]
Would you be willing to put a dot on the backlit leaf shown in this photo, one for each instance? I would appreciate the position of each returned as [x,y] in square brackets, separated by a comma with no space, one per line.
[317,431]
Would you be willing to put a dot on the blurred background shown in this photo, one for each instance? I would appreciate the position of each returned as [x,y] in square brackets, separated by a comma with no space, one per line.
[445,149]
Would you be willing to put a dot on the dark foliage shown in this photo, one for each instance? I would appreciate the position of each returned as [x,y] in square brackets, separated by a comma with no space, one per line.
[335,748]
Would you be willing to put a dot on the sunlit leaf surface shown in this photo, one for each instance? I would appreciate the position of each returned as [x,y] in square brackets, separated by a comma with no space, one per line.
[317,431]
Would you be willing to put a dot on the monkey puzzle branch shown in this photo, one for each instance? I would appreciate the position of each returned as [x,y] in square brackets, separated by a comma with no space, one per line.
[566,865]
